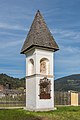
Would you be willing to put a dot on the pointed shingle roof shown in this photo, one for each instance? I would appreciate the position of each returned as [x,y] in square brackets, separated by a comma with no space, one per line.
[39,35]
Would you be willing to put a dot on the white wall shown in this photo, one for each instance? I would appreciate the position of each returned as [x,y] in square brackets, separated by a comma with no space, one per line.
[44,103]
[30,55]
[32,82]
[31,92]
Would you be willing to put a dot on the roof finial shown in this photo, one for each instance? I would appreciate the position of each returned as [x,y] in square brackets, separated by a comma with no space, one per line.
[38,11]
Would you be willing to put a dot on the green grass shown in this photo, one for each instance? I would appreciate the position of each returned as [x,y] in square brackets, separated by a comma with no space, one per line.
[62,113]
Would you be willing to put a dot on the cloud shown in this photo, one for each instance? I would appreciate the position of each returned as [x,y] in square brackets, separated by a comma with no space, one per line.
[68,56]
[73,35]
[67,61]
[13,72]
[11,34]
[59,74]
[70,49]
[14,16]
[56,10]
[10,44]
[12,27]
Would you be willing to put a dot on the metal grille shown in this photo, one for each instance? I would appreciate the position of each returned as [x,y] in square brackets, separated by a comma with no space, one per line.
[45,88]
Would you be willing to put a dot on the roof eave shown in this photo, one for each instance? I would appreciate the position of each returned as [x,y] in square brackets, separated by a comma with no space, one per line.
[53,48]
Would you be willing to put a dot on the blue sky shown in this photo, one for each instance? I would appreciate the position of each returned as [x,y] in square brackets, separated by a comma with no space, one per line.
[62,18]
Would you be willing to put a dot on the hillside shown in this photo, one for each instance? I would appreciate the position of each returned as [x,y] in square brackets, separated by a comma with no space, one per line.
[10,82]
[71,82]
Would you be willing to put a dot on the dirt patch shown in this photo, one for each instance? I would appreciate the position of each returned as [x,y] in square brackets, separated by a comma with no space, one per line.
[41,118]
[44,119]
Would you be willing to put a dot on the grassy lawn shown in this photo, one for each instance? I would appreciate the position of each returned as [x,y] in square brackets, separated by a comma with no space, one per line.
[62,113]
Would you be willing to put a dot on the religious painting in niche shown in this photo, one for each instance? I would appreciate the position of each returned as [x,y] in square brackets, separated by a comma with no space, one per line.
[44,66]
[45,88]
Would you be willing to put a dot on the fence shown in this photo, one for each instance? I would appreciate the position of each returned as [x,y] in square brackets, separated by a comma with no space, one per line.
[17,98]
[65,98]
[62,98]
[12,98]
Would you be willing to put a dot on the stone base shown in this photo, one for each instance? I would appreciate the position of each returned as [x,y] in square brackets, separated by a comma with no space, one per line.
[40,109]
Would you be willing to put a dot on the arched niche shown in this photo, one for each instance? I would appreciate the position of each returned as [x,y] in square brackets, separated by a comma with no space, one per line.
[44,66]
[30,67]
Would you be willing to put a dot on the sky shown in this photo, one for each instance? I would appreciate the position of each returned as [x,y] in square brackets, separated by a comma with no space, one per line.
[62,18]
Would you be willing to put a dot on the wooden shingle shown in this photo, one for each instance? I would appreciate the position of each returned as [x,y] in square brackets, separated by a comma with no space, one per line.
[39,35]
